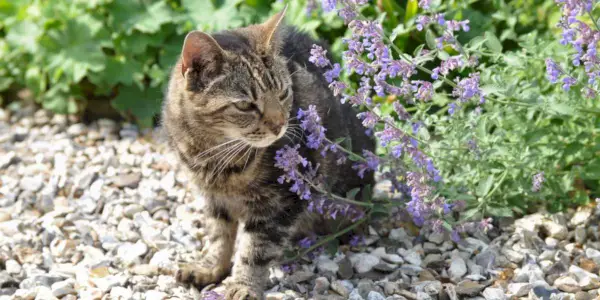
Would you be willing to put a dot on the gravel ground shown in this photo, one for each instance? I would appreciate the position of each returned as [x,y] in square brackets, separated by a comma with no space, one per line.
[101,211]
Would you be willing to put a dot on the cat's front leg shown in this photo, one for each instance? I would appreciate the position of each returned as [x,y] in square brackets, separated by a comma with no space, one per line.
[262,240]
[215,264]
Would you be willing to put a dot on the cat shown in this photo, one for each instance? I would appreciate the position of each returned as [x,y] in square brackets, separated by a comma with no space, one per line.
[230,105]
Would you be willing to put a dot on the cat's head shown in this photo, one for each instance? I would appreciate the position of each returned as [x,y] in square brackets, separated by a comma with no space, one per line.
[236,82]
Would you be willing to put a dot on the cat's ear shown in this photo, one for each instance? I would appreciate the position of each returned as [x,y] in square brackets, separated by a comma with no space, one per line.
[269,31]
[200,50]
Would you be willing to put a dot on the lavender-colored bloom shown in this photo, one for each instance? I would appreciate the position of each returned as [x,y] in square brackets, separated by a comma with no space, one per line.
[552,70]
[306,242]
[452,108]
[318,56]
[424,90]
[357,240]
[568,82]
[538,179]
[328,5]
[388,135]
[311,122]
[424,4]
[368,118]
[468,88]
[371,163]
[422,22]
[337,87]
[455,236]
[288,268]
[333,73]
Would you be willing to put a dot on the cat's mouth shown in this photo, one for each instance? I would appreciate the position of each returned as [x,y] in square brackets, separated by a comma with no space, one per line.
[268,140]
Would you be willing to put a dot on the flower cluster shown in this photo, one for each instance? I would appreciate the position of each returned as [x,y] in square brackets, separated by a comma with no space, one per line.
[584,39]
[538,179]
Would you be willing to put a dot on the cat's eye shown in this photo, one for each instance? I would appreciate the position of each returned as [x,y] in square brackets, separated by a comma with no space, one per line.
[244,105]
[284,95]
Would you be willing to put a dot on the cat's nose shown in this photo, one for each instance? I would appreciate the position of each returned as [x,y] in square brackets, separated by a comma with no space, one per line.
[275,124]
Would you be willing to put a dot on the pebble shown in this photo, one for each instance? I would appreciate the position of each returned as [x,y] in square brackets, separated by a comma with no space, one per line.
[410,256]
[494,294]
[63,288]
[130,180]
[458,268]
[518,289]
[364,262]
[12,267]
[567,284]
[321,285]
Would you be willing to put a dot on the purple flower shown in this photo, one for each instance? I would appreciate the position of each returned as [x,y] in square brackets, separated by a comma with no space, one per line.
[371,163]
[568,82]
[455,236]
[306,242]
[422,22]
[333,73]
[288,268]
[468,88]
[357,240]
[328,5]
[424,4]
[552,70]
[538,179]
[369,119]
[311,122]
[424,90]
[318,56]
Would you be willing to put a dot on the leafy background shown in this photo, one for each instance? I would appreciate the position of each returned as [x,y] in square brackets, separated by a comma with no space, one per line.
[112,58]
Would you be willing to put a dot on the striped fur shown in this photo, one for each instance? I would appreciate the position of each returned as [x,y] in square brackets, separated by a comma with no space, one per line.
[229,152]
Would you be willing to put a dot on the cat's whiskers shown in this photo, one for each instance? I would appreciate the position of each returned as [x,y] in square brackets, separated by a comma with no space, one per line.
[225,152]
[230,159]
[198,159]
[207,151]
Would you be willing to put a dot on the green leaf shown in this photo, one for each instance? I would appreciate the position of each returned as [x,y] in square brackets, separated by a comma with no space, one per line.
[499,211]
[430,39]
[485,186]
[24,35]
[207,16]
[379,211]
[76,50]
[138,105]
[492,42]
[470,213]
[412,7]
[332,247]
[339,140]
[367,193]
[351,194]
[562,108]
[130,15]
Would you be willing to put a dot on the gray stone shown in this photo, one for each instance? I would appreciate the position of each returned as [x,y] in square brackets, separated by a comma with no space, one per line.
[324,265]
[364,262]
[493,294]
[423,296]
[410,256]
[354,295]
[567,284]
[519,289]
[512,255]
[321,285]
[8,159]
[130,180]
[12,266]
[582,216]
[580,235]
[364,287]
[436,238]
[77,129]
[469,288]
[340,288]
[31,183]
[373,295]
[583,296]
[345,270]
[63,288]
[393,259]
[458,268]
[399,234]
[429,287]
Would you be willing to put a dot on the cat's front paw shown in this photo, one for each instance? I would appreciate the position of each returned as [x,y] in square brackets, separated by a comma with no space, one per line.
[198,275]
[236,291]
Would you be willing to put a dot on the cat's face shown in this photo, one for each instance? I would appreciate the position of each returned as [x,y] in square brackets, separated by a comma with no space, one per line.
[237,84]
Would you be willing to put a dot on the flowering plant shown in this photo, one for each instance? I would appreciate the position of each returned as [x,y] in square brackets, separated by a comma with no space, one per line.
[466,129]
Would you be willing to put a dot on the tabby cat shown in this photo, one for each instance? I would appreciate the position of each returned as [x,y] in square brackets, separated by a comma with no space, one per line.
[230,106]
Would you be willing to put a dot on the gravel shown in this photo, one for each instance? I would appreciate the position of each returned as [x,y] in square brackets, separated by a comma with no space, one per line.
[103,211]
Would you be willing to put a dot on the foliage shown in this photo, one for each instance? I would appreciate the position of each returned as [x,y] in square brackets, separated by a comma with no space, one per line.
[465,122]
[70,52]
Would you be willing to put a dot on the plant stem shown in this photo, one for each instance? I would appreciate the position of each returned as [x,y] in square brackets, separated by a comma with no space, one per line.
[334,196]
[346,150]
[328,239]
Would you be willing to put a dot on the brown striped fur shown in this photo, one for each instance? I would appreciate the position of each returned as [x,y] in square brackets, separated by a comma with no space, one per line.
[229,147]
